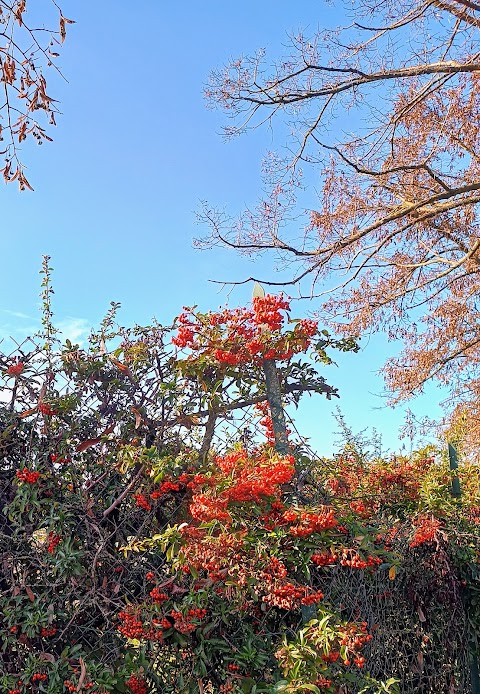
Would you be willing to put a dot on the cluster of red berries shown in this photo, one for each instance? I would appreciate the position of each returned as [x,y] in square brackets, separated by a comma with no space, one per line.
[267,310]
[360,508]
[72,687]
[323,683]
[248,335]
[426,530]
[206,508]
[39,677]
[352,559]
[331,657]
[16,369]
[28,476]
[324,558]
[312,598]
[167,486]
[132,628]
[355,641]
[48,631]
[59,460]
[308,523]
[284,595]
[46,410]
[158,596]
[142,502]
[183,623]
[137,684]
[53,541]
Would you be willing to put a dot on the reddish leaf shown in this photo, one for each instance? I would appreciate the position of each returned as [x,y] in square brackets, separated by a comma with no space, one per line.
[88,443]
[27,413]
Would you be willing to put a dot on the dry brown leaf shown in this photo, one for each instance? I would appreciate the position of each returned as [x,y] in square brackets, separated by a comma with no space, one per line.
[83,674]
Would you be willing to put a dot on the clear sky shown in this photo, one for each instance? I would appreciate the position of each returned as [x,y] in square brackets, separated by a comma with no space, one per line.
[134,153]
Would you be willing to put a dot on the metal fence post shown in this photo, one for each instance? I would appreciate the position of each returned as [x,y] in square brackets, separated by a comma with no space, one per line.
[453,458]
[456,492]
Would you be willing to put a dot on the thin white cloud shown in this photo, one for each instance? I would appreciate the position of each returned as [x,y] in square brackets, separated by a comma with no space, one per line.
[74,329]
[16,314]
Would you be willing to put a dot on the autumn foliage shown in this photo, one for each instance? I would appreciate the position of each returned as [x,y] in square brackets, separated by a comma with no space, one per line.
[26,53]
[383,116]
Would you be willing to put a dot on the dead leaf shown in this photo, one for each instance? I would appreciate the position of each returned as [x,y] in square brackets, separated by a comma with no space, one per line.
[83,674]
[420,659]
[27,413]
[421,615]
[392,573]
[30,593]
[123,367]
[88,443]
[138,417]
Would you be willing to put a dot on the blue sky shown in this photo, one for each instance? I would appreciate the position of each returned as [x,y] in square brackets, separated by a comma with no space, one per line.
[134,153]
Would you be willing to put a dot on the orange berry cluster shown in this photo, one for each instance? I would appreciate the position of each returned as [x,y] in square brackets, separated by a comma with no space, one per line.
[243,336]
[355,641]
[426,531]
[309,523]
[324,558]
[59,461]
[312,598]
[351,558]
[132,626]
[28,476]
